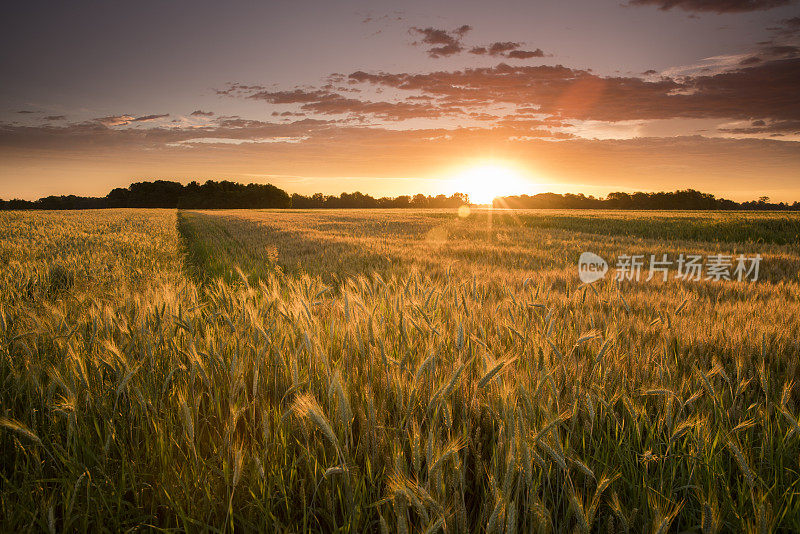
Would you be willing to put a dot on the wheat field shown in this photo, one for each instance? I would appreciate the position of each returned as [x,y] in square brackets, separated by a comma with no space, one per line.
[394,371]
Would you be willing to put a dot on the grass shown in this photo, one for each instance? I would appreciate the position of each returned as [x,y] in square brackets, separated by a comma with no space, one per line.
[358,371]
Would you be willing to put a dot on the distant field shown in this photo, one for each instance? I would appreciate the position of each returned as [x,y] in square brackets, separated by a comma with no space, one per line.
[400,370]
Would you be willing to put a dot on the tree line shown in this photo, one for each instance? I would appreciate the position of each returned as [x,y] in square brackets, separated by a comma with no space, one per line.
[360,200]
[226,194]
[687,199]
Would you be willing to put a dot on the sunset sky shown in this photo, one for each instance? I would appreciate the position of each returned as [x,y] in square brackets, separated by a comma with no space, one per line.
[392,98]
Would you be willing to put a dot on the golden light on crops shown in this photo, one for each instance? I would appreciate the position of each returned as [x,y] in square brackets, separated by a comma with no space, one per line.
[486,181]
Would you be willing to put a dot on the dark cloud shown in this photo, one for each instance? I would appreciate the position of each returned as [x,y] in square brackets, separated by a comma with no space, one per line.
[201,113]
[330,103]
[765,91]
[763,86]
[26,112]
[148,118]
[500,48]
[781,51]
[395,16]
[434,36]
[714,6]
[525,54]
[752,60]
[441,43]
[234,88]
[382,110]
[784,41]
[55,118]
[771,50]
[298,96]
[507,49]
[791,26]
[123,120]
[786,28]
[445,50]
[761,127]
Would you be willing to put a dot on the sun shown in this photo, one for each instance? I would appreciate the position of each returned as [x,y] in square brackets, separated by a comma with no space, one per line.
[485,182]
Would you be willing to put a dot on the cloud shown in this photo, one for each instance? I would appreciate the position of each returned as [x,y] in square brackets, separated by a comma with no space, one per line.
[501,102]
[442,43]
[26,112]
[713,6]
[766,91]
[55,118]
[729,88]
[501,47]
[394,111]
[97,134]
[297,96]
[234,88]
[791,26]
[114,120]
[330,103]
[773,49]
[750,60]
[324,149]
[759,127]
[507,49]
[785,40]
[201,113]
[394,16]
[235,141]
[123,120]
[525,54]
[148,118]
